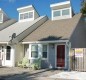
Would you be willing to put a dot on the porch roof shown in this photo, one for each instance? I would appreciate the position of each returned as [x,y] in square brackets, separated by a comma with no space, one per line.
[54,30]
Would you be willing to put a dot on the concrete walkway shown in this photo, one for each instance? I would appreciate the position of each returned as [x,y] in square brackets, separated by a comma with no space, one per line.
[73,75]
[26,74]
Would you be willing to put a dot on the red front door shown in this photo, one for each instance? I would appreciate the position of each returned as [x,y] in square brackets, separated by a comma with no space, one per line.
[61,56]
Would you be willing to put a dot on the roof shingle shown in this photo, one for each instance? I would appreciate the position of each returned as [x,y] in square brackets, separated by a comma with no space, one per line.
[54,30]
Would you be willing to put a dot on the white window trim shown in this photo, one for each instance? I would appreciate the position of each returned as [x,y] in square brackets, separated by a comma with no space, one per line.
[27,18]
[66,9]
[47,51]
[30,52]
[56,55]
[56,10]
[39,45]
[70,14]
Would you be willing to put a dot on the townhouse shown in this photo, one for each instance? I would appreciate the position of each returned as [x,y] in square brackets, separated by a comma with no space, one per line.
[35,36]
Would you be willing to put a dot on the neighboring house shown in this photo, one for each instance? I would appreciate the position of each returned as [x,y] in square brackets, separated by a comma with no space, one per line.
[53,40]
[5,22]
[11,50]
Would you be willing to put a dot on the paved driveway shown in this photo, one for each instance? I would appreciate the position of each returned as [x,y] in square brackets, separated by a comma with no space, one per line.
[26,74]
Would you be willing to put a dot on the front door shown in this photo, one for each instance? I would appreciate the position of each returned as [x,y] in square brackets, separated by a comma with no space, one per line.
[61,56]
[8,56]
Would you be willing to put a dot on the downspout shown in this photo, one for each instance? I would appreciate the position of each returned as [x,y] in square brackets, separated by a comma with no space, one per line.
[69,67]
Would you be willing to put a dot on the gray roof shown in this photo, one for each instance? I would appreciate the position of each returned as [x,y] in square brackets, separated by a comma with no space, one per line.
[54,30]
[17,28]
[7,23]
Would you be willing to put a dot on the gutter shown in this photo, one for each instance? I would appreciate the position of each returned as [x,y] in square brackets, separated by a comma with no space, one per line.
[58,41]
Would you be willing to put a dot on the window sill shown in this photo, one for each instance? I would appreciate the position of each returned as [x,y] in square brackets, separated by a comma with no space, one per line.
[33,58]
[44,58]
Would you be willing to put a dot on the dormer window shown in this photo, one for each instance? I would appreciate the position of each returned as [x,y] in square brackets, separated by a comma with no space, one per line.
[3,16]
[65,12]
[56,13]
[30,15]
[61,10]
[27,13]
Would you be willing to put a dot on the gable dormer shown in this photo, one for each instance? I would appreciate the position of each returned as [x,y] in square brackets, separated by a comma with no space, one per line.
[27,13]
[61,10]
[3,16]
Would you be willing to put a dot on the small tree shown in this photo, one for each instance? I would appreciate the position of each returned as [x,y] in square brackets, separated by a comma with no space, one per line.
[83,7]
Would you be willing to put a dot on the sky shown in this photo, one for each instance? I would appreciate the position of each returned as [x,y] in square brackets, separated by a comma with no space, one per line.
[42,6]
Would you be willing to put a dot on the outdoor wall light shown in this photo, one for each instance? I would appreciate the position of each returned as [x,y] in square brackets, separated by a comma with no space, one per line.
[52,45]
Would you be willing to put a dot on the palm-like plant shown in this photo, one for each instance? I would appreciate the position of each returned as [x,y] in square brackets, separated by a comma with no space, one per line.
[83,7]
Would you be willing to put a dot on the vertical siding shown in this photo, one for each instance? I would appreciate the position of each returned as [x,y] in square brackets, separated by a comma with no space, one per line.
[67,57]
[51,56]
[44,62]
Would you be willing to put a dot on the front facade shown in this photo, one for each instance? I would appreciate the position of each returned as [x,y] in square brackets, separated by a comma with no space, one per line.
[50,53]
[54,40]
[47,44]
[5,49]
[37,37]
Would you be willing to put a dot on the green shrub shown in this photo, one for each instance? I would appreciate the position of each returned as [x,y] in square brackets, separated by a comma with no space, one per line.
[37,64]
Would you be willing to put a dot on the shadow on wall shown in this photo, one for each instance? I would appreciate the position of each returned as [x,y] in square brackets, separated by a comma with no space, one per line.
[50,38]
[78,36]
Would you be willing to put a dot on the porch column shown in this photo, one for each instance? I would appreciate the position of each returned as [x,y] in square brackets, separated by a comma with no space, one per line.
[13,55]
